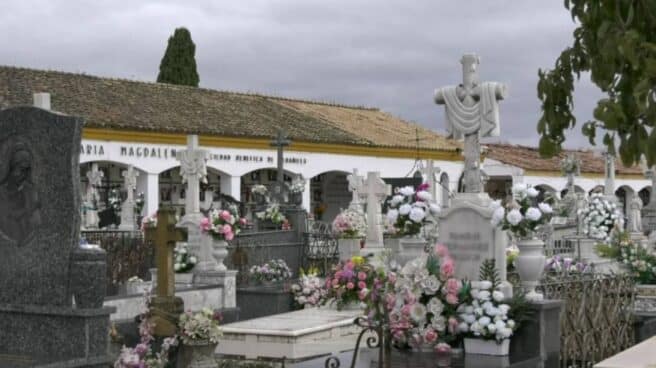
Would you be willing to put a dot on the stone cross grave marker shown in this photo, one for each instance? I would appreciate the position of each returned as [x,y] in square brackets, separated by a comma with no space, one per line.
[472,111]
[375,191]
[280,142]
[166,307]
[128,220]
[430,172]
[193,170]
[355,185]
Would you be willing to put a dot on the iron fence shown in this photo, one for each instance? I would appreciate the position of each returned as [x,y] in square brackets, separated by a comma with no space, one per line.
[128,254]
[597,321]
[320,250]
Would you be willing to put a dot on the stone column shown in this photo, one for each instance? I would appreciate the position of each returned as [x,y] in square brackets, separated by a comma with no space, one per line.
[152,194]
[307,196]
[649,211]
[231,185]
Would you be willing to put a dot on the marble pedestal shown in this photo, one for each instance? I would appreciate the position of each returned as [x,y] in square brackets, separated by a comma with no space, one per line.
[294,336]
[53,337]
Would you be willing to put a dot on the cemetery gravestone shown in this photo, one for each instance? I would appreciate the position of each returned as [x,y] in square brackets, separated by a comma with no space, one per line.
[375,191]
[279,192]
[128,220]
[466,230]
[42,268]
[94,177]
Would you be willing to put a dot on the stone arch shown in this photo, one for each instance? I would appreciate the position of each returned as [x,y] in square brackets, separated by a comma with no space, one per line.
[328,194]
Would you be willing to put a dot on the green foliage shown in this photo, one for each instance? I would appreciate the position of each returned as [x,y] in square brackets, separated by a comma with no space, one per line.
[520,309]
[178,65]
[489,272]
[614,41]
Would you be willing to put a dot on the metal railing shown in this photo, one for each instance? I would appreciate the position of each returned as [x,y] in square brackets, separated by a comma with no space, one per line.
[128,255]
[597,321]
[320,250]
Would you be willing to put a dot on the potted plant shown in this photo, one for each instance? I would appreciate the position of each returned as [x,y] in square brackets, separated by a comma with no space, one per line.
[200,334]
[485,317]
[522,215]
[222,225]
[309,292]
[409,210]
[276,270]
[183,263]
[350,227]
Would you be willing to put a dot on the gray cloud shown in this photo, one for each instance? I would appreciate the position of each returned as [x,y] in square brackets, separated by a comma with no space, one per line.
[388,54]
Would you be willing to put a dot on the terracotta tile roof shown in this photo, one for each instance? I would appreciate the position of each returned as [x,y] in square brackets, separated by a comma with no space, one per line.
[528,158]
[135,105]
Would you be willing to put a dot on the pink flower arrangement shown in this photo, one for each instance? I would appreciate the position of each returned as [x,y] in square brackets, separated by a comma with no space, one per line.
[422,300]
[350,224]
[223,223]
[350,282]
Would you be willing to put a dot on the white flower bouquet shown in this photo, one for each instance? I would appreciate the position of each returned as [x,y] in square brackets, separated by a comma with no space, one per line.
[297,187]
[149,222]
[272,271]
[200,326]
[599,218]
[183,260]
[259,189]
[350,224]
[486,316]
[272,213]
[522,214]
[409,210]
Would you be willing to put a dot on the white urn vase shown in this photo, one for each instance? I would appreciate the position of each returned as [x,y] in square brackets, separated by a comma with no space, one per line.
[219,252]
[530,266]
[348,247]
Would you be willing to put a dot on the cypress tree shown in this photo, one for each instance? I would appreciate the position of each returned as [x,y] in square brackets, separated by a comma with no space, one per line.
[178,65]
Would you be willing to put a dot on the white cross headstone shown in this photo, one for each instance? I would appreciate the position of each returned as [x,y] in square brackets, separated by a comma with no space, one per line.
[355,186]
[128,220]
[193,170]
[375,190]
[430,174]
[472,111]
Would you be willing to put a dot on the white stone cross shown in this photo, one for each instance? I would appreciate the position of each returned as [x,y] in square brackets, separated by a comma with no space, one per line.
[430,173]
[472,111]
[130,182]
[375,191]
[193,170]
[355,185]
[609,184]
[95,177]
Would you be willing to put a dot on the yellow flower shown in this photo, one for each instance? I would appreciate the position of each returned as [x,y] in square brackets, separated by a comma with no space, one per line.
[357,260]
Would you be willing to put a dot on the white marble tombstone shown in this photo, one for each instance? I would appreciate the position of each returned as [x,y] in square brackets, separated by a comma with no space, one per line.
[375,191]
[128,219]
[355,185]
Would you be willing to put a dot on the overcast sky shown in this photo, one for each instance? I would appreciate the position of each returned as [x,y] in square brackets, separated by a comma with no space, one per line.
[385,54]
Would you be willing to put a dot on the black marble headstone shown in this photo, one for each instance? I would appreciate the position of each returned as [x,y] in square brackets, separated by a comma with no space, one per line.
[39,205]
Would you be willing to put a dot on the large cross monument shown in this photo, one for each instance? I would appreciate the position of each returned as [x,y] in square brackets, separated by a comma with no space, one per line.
[472,112]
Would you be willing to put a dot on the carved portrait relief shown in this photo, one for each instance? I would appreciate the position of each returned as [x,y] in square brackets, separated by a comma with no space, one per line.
[19,204]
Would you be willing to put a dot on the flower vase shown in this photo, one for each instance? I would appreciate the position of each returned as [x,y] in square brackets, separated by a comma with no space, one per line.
[199,354]
[348,247]
[411,247]
[219,252]
[88,274]
[486,347]
[530,266]
[296,198]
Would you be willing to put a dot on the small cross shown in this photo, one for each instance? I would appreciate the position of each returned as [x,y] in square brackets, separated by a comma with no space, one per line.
[280,141]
